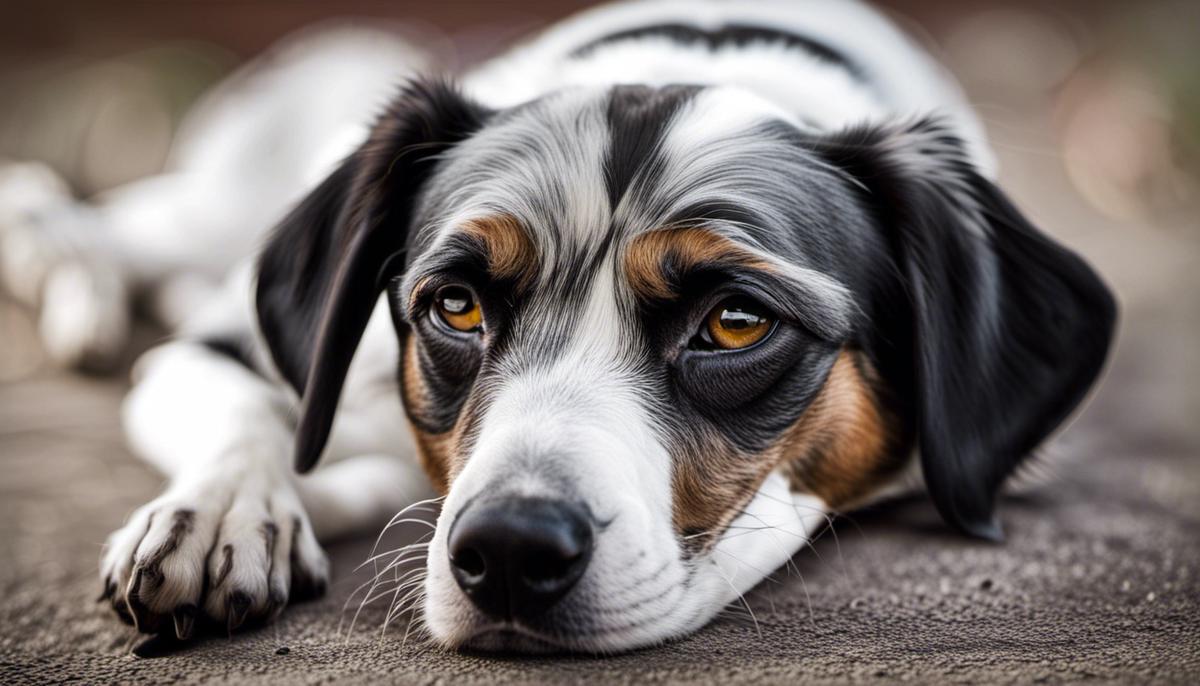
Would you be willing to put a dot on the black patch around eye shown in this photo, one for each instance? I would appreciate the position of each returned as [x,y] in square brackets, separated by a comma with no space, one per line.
[448,368]
[749,395]
[448,361]
[725,380]
[751,399]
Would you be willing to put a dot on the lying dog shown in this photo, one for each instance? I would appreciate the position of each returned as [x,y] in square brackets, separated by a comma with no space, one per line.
[656,292]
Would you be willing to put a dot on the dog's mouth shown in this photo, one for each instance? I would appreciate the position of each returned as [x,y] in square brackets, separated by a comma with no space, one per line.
[510,637]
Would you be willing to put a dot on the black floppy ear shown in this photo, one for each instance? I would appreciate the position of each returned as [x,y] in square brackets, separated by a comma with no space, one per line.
[319,276]
[1008,328]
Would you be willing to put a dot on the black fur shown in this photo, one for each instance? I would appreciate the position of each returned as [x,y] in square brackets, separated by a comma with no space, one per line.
[638,116]
[729,34]
[1006,330]
[320,274]
[234,348]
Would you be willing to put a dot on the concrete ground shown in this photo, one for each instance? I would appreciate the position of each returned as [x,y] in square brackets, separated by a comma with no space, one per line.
[1099,579]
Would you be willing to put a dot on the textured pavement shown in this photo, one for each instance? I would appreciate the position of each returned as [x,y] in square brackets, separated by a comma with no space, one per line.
[1099,579]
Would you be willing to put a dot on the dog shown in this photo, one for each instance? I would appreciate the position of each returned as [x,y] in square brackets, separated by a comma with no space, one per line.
[641,304]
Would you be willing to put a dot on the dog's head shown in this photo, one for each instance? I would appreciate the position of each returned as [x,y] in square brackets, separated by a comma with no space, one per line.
[649,336]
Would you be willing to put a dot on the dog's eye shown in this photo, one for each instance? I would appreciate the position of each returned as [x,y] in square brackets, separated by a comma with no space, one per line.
[735,324]
[458,308]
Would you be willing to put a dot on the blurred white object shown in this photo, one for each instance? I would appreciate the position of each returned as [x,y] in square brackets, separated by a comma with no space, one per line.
[84,314]
[253,145]
[26,188]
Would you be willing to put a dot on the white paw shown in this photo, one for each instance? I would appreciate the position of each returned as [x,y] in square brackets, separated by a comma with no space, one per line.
[84,320]
[27,190]
[26,186]
[229,551]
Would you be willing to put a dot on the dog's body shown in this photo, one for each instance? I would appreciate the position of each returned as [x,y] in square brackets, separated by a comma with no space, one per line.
[594,194]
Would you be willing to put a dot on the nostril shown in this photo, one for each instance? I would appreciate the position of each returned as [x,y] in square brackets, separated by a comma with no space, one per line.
[515,557]
[547,571]
[470,562]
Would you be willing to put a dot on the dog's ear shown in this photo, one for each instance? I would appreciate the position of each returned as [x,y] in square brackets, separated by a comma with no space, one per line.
[320,274]
[1007,329]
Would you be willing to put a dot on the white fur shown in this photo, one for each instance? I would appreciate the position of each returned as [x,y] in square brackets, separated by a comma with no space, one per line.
[576,425]
[258,142]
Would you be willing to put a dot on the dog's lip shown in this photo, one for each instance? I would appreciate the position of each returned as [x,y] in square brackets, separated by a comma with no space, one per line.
[511,637]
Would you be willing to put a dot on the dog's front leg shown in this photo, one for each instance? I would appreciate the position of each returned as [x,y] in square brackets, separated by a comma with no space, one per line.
[229,539]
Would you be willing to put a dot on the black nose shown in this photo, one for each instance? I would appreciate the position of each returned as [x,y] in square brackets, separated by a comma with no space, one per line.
[515,557]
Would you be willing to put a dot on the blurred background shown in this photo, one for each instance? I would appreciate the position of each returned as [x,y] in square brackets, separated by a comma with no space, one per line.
[1093,107]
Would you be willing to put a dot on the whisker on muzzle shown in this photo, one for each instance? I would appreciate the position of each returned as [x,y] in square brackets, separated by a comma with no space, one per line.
[380,585]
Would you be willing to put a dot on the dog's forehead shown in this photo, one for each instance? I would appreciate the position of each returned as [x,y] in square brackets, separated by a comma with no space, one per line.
[586,172]
[584,168]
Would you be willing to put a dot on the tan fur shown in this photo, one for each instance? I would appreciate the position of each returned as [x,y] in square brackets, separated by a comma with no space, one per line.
[843,447]
[711,482]
[511,255]
[840,450]
[434,451]
[683,248]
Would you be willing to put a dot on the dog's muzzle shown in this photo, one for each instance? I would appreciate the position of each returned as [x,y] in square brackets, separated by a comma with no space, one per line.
[515,557]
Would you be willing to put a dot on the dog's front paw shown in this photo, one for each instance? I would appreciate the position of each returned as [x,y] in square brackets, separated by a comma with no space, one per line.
[226,551]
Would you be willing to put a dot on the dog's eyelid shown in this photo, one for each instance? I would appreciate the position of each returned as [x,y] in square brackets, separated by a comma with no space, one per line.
[426,284]
[822,308]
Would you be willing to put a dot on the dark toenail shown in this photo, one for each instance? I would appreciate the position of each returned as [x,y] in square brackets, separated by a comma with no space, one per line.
[185,620]
[122,610]
[276,602]
[239,607]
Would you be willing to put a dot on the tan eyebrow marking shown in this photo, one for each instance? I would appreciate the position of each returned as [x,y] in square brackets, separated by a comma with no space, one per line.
[511,254]
[683,248]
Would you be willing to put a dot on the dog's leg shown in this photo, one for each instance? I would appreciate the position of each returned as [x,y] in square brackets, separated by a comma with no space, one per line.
[49,261]
[359,494]
[229,538]
[172,236]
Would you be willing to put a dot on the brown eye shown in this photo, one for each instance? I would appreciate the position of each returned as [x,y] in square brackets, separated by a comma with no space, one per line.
[737,323]
[457,306]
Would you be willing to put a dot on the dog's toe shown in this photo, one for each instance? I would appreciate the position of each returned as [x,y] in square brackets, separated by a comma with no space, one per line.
[309,565]
[116,562]
[168,568]
[265,556]
[234,560]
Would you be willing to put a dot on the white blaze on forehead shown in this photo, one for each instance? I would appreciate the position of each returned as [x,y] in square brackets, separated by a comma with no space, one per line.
[579,415]
[712,154]
[716,113]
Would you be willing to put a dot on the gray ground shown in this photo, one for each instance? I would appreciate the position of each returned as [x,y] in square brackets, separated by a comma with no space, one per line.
[1099,579]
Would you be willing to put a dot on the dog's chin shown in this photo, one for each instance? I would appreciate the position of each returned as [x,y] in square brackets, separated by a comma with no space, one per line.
[509,638]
